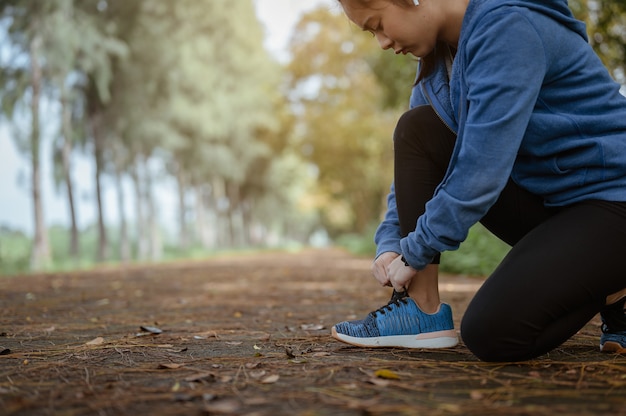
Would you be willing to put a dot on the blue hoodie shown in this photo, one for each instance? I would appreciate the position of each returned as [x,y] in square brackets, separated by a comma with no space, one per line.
[529,100]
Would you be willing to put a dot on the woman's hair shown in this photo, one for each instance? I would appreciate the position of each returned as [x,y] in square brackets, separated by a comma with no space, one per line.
[427,63]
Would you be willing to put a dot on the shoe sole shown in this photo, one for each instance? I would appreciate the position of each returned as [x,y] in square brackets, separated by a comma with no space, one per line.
[611,346]
[439,339]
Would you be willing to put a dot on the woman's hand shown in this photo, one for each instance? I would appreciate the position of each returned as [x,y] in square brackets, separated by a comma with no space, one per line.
[400,275]
[381,265]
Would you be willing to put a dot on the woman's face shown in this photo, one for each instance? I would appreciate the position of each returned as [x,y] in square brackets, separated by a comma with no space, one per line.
[405,28]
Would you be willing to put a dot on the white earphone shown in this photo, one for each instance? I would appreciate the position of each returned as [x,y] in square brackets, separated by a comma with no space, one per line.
[416,2]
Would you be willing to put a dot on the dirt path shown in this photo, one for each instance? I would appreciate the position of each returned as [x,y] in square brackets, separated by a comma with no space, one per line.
[249,335]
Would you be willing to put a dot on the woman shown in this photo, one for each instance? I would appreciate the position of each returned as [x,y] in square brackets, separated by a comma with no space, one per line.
[514,123]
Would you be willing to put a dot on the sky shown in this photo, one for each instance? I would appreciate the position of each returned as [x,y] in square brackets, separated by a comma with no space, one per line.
[16,209]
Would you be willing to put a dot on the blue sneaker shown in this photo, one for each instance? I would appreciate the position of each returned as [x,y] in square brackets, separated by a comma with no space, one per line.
[613,342]
[613,337]
[400,323]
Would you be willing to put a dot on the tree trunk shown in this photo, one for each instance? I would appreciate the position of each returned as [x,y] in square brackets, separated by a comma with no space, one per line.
[41,250]
[205,222]
[234,214]
[249,232]
[222,208]
[98,157]
[66,126]
[156,249]
[183,233]
[123,239]
[142,244]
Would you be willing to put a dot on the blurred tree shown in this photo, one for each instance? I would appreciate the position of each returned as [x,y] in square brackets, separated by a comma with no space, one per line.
[22,80]
[606,24]
[199,97]
[105,48]
[215,94]
[348,102]
[76,45]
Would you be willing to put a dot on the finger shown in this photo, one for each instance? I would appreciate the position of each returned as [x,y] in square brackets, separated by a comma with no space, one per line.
[383,280]
[399,288]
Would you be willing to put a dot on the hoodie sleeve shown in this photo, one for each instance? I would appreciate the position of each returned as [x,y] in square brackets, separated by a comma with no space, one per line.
[502,67]
[387,237]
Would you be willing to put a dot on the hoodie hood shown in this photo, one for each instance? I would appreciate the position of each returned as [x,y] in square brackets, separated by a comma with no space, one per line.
[557,10]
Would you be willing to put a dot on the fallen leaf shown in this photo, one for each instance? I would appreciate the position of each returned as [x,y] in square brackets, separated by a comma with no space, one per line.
[386,374]
[151,329]
[95,341]
[170,366]
[256,348]
[233,343]
[312,327]
[222,407]
[270,379]
[257,374]
[321,354]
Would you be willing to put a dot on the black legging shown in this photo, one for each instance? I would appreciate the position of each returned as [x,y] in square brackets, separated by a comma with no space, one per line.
[562,265]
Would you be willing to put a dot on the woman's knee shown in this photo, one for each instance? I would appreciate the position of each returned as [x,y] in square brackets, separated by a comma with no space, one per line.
[420,131]
[477,337]
[490,339]
[421,121]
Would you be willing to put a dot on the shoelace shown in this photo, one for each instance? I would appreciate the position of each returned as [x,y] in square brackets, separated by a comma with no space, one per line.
[396,299]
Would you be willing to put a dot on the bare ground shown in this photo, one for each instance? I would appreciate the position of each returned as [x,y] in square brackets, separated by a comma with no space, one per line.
[249,335]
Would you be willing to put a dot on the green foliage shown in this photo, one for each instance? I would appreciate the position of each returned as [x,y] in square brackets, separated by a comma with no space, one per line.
[395,73]
[478,255]
[359,244]
[345,124]
[15,249]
